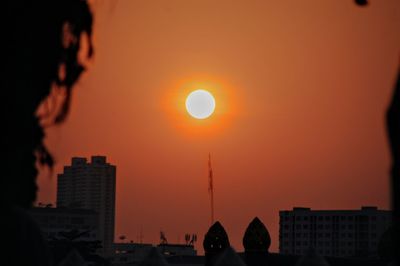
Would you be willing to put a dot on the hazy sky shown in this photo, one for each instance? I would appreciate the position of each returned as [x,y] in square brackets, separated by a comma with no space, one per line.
[301,88]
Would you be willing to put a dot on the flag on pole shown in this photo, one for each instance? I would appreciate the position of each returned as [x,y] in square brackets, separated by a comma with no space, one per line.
[210,175]
[211,188]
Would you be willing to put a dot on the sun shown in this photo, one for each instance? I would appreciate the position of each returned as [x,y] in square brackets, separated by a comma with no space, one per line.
[200,104]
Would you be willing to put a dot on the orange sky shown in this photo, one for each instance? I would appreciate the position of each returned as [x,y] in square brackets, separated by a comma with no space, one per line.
[301,88]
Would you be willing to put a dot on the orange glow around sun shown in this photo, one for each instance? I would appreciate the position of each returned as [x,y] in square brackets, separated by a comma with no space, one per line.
[226,108]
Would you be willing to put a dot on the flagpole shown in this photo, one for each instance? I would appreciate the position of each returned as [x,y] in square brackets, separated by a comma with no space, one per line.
[211,187]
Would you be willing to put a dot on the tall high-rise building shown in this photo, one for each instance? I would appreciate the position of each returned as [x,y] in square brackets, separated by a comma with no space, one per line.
[91,185]
[334,233]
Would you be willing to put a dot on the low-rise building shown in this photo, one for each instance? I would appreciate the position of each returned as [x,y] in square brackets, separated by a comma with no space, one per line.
[177,250]
[334,233]
[130,253]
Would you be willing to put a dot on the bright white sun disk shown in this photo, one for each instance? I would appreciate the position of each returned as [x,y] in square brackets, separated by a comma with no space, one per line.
[200,104]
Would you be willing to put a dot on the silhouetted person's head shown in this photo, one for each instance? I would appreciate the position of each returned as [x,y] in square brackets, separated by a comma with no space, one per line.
[42,40]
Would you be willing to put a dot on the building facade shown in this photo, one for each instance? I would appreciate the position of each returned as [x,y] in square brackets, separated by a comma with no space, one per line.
[55,221]
[91,185]
[335,233]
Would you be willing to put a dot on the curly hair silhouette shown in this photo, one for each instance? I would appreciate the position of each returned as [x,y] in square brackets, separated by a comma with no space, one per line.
[43,40]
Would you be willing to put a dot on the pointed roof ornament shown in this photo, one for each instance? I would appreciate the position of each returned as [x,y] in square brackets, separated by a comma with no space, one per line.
[256,238]
[154,258]
[216,239]
[229,257]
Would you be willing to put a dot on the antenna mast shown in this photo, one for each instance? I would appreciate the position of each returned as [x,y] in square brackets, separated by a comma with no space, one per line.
[141,235]
[211,188]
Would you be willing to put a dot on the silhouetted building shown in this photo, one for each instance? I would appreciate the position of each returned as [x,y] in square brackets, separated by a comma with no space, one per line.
[334,233]
[134,253]
[53,221]
[154,258]
[311,258]
[91,185]
[229,257]
[176,250]
[130,253]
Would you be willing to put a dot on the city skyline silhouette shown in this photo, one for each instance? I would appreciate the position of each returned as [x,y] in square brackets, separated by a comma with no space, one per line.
[303,91]
[229,133]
